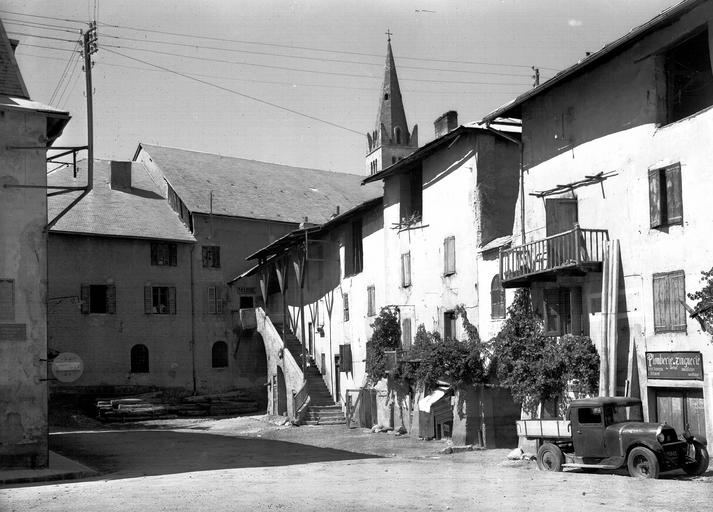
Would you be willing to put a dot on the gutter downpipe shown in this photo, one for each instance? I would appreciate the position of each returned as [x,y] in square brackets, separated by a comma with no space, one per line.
[193,323]
[522,176]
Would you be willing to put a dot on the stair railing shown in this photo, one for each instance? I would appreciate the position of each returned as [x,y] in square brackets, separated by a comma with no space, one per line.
[300,398]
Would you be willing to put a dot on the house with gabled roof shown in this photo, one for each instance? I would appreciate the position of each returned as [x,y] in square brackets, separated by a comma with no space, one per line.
[27,130]
[613,224]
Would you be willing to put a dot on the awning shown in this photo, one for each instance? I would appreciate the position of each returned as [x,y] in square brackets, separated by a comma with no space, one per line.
[425,403]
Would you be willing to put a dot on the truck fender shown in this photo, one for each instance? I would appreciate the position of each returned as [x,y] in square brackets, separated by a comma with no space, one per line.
[655,449]
[700,439]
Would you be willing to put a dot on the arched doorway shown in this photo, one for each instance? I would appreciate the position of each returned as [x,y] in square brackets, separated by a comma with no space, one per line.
[281,392]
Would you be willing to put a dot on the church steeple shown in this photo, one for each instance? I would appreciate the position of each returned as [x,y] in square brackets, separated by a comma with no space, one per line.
[391,140]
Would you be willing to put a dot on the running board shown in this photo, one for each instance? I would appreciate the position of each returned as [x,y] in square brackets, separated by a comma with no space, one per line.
[590,466]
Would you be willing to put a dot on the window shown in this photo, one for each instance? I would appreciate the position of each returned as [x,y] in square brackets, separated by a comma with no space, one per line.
[689,81]
[411,195]
[397,136]
[7,300]
[215,301]
[406,334]
[98,299]
[139,359]
[406,270]
[345,358]
[497,298]
[219,355]
[160,300]
[354,252]
[669,294]
[345,300]
[449,256]
[589,414]
[211,256]
[247,302]
[449,325]
[371,301]
[563,311]
[665,204]
[164,254]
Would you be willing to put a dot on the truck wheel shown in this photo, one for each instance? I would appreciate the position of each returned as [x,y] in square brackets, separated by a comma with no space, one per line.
[700,454]
[550,458]
[642,463]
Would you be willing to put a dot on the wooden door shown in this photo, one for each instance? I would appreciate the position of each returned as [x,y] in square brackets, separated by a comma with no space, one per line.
[681,408]
[669,409]
[561,216]
[695,412]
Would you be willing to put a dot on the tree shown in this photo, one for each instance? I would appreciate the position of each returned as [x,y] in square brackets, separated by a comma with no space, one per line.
[703,311]
[385,336]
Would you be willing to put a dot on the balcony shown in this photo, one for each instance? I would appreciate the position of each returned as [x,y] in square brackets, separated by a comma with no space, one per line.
[573,252]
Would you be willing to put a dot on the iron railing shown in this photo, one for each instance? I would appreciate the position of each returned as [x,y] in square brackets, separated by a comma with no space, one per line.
[572,248]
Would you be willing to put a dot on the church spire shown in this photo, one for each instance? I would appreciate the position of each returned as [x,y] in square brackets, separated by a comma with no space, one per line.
[391,134]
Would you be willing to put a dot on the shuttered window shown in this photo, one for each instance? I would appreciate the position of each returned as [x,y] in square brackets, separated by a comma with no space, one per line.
[215,301]
[98,299]
[371,301]
[353,250]
[669,293]
[160,300]
[345,301]
[211,256]
[449,256]
[7,300]
[164,254]
[563,311]
[345,358]
[406,334]
[665,199]
[497,298]
[406,270]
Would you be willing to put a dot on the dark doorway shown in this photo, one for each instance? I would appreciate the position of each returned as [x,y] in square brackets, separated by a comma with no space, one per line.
[337,378]
[281,393]
[561,216]
[681,407]
[310,336]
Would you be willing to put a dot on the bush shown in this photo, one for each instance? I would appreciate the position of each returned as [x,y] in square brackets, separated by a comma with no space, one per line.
[386,335]
[704,306]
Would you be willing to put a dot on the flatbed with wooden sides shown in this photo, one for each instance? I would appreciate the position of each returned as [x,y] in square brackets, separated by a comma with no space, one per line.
[610,433]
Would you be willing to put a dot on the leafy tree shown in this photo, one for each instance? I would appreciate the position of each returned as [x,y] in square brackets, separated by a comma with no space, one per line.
[704,307]
[385,336]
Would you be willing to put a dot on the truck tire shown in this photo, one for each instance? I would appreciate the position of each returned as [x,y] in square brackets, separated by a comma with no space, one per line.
[549,458]
[701,456]
[642,463]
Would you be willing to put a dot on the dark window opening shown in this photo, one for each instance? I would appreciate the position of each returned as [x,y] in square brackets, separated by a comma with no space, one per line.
[247,302]
[689,80]
[563,311]
[160,300]
[139,359]
[354,251]
[211,256]
[397,136]
[669,295]
[665,198]
[497,298]
[589,415]
[98,299]
[411,195]
[7,300]
[219,355]
[386,95]
[164,254]
[449,325]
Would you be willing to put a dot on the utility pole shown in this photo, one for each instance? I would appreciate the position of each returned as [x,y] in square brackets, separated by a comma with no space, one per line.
[536,76]
[89,48]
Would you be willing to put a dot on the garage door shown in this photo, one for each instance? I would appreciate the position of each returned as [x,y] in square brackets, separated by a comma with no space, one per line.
[681,407]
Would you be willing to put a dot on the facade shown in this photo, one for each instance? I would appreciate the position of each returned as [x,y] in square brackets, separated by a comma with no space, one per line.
[612,227]
[27,129]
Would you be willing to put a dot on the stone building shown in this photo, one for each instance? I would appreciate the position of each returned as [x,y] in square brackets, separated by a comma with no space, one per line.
[27,130]
[612,228]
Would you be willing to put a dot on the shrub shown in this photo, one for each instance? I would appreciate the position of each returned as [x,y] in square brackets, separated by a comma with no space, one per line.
[386,335]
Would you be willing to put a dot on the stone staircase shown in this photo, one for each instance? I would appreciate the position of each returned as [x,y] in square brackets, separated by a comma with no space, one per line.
[321,409]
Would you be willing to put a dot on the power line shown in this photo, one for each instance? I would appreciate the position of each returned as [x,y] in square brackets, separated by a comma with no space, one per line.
[284,68]
[43,17]
[43,26]
[47,47]
[302,57]
[41,36]
[232,91]
[64,74]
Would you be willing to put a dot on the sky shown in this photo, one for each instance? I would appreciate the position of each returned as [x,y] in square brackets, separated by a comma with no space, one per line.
[295,82]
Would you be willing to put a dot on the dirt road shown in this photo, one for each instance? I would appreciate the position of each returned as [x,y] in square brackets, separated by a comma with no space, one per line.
[246,463]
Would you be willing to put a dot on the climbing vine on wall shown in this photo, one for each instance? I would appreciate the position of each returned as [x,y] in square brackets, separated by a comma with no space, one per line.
[385,336]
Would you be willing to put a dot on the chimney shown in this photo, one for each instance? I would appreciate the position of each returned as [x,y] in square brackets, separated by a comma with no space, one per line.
[120,175]
[446,123]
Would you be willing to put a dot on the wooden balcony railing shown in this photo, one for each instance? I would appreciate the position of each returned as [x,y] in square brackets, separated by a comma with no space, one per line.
[576,248]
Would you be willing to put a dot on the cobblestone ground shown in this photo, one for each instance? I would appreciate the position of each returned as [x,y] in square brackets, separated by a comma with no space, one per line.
[253,463]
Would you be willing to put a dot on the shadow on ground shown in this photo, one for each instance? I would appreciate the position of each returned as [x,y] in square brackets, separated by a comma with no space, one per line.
[128,454]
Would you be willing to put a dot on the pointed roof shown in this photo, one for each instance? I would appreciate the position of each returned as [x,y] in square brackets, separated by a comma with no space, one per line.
[11,83]
[391,107]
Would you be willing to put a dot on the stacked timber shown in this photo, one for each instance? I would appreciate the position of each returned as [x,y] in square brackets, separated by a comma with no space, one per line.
[130,409]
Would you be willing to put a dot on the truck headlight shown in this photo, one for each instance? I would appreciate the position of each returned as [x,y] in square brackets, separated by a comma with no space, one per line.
[660,435]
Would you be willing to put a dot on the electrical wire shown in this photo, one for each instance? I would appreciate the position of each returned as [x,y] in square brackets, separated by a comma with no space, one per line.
[42,37]
[24,45]
[232,91]
[63,75]
[43,17]
[43,26]
[71,79]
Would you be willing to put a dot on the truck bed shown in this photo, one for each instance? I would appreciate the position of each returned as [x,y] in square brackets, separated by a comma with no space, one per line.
[534,429]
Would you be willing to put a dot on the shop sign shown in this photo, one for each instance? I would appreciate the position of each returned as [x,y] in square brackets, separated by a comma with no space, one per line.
[674,365]
[13,332]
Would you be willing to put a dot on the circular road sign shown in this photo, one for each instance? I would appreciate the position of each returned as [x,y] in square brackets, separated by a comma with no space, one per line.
[67,367]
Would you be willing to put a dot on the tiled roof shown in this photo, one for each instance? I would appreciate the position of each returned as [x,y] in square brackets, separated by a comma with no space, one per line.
[137,212]
[259,190]
[11,83]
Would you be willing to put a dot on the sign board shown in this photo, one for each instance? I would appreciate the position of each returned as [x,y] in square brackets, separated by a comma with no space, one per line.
[67,367]
[674,365]
[13,332]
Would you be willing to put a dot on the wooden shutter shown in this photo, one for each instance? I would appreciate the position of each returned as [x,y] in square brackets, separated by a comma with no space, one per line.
[371,297]
[553,320]
[406,334]
[357,249]
[674,204]
[211,300]
[449,255]
[345,299]
[661,317]
[216,256]
[154,254]
[148,300]
[406,269]
[218,300]
[655,198]
[84,297]
[345,358]
[7,300]
[172,300]
[173,254]
[575,301]
[111,299]
[677,294]
[417,192]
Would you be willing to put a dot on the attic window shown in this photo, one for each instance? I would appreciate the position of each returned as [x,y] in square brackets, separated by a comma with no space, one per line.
[689,80]
[386,95]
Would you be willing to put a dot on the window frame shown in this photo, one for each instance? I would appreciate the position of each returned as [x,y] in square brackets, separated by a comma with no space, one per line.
[215,300]
[449,249]
[150,303]
[659,308]
[450,325]
[210,256]
[497,298]
[164,254]
[109,299]
[345,306]
[665,196]
[371,300]
[406,281]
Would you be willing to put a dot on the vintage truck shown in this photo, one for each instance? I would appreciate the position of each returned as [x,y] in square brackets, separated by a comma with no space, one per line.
[610,433]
